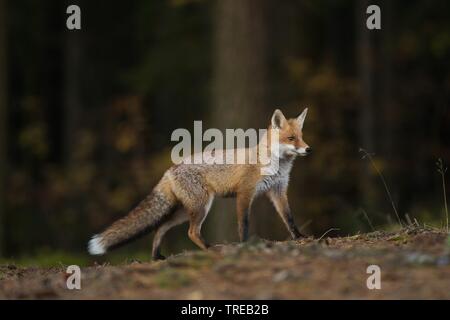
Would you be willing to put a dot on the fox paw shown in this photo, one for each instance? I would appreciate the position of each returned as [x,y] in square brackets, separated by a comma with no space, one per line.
[158,256]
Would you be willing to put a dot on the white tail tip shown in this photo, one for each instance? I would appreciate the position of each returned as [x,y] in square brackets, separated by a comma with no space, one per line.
[95,246]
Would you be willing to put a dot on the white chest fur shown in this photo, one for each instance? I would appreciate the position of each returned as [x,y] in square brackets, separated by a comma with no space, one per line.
[278,180]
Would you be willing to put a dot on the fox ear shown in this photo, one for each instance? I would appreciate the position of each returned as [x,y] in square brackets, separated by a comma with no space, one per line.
[278,119]
[301,118]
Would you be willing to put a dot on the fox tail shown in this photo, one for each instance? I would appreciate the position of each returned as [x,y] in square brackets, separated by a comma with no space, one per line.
[146,216]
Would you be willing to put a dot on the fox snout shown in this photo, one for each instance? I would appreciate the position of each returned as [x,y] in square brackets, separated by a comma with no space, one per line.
[304,151]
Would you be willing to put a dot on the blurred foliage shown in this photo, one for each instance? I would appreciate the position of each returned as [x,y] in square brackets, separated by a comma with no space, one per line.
[147,68]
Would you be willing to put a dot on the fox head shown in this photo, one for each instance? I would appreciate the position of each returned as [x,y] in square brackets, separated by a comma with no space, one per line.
[290,134]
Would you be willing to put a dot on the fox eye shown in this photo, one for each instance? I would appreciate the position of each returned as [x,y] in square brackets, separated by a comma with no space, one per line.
[291,138]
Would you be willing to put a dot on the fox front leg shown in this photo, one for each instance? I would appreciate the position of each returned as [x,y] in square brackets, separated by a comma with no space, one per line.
[280,201]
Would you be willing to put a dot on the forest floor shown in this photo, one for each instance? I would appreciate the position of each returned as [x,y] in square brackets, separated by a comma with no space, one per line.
[414,264]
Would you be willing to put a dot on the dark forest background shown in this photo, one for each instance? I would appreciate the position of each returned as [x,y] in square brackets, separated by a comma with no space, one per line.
[86,116]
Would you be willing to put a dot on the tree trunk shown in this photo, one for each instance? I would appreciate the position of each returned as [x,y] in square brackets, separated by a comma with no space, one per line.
[365,57]
[365,69]
[3,121]
[389,114]
[240,63]
[239,81]
[73,68]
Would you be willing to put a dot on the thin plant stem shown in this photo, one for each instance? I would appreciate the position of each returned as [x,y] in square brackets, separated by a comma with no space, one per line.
[368,220]
[388,192]
[327,232]
[445,200]
[442,170]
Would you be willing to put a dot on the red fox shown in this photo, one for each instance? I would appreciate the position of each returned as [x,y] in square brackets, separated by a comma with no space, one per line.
[186,191]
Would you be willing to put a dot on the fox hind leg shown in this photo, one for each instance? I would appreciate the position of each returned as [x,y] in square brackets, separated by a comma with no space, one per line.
[178,217]
[191,189]
[196,220]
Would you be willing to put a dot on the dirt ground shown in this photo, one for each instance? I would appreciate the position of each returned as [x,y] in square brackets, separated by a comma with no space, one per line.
[414,263]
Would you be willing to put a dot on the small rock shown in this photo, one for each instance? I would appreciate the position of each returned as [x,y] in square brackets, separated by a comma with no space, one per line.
[195,295]
[419,258]
[443,261]
[280,276]
[333,254]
